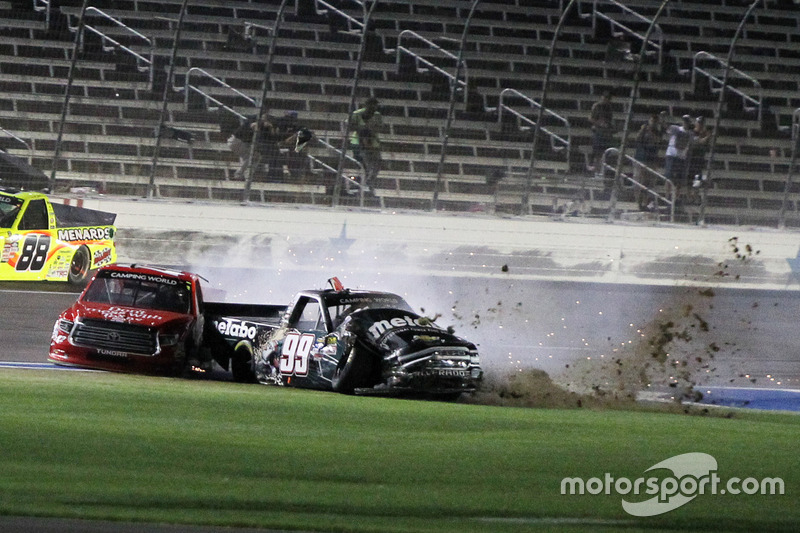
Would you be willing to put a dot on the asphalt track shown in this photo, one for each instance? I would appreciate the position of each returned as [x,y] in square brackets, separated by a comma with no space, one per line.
[546,325]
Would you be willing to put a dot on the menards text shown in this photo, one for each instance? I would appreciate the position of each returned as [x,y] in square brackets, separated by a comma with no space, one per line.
[85,234]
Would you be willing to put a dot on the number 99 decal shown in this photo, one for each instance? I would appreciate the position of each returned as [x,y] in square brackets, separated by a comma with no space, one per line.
[295,352]
[33,254]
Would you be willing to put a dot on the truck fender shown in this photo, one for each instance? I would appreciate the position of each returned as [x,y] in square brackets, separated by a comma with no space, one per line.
[244,345]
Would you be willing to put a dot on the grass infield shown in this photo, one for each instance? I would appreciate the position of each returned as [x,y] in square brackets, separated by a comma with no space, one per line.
[132,448]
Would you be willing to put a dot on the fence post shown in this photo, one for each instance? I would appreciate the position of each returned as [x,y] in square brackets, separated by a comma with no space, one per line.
[451,107]
[526,196]
[718,115]
[164,100]
[265,87]
[67,91]
[612,204]
[337,184]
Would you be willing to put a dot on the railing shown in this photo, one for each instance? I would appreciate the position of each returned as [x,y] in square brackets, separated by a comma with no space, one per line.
[143,63]
[251,27]
[757,101]
[668,184]
[354,25]
[189,87]
[557,142]
[21,141]
[789,177]
[350,182]
[658,46]
[43,5]
[419,60]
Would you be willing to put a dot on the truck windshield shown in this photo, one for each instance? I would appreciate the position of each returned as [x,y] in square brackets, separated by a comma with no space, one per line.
[173,296]
[340,306]
[9,208]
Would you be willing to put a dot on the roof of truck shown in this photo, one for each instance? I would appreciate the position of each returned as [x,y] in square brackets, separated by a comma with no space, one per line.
[152,271]
[23,195]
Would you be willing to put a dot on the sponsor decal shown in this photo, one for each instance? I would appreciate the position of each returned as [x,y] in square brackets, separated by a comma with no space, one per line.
[123,314]
[143,277]
[9,250]
[368,299]
[10,200]
[102,256]
[57,272]
[86,234]
[383,326]
[446,372]
[236,328]
[112,353]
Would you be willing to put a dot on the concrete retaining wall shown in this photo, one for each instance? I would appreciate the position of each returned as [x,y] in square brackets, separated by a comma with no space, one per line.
[456,243]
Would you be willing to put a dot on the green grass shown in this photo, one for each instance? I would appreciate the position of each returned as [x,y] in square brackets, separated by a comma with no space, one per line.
[106,446]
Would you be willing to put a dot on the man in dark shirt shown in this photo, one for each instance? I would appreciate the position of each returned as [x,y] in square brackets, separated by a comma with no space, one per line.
[240,142]
[601,118]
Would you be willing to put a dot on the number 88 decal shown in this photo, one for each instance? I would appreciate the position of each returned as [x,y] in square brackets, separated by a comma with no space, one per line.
[33,255]
[295,352]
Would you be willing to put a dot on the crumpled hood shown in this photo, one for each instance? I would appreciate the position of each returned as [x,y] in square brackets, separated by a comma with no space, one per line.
[399,331]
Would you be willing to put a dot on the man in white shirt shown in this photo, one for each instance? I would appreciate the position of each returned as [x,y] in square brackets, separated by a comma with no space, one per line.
[680,137]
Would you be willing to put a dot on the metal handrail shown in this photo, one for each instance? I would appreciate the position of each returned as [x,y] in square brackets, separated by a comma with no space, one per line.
[418,59]
[329,146]
[21,141]
[250,26]
[43,5]
[149,63]
[712,78]
[670,186]
[335,171]
[659,46]
[351,21]
[554,137]
[189,87]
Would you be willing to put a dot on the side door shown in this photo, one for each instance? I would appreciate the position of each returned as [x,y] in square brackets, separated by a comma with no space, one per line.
[299,364]
[35,241]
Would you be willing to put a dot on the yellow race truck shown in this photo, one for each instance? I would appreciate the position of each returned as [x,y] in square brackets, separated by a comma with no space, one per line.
[42,240]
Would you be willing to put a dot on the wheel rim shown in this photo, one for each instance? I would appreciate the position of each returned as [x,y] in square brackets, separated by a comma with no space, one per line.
[80,265]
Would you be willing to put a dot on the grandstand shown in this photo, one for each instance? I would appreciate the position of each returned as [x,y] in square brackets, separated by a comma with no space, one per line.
[115,106]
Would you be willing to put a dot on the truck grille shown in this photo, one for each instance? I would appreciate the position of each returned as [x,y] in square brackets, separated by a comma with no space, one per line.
[106,335]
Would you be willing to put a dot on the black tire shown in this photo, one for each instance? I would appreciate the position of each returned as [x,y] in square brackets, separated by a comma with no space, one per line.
[355,372]
[80,267]
[242,366]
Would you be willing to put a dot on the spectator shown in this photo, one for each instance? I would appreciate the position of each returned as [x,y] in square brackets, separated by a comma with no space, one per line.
[617,49]
[680,138]
[646,152]
[240,142]
[365,126]
[291,144]
[237,40]
[601,118]
[697,152]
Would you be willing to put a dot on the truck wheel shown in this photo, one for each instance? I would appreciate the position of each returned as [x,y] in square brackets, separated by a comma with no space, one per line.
[79,268]
[355,372]
[242,366]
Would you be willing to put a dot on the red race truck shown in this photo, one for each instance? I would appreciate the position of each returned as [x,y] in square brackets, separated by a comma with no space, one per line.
[151,320]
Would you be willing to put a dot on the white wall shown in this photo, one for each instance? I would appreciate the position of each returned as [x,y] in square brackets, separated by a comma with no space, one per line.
[530,247]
